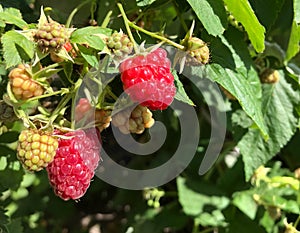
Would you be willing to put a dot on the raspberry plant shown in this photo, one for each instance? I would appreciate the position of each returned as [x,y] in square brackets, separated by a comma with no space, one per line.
[71,71]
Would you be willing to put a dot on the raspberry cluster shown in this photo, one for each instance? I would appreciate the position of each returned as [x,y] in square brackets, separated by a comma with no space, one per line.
[22,84]
[51,36]
[133,122]
[73,167]
[119,44]
[148,80]
[36,149]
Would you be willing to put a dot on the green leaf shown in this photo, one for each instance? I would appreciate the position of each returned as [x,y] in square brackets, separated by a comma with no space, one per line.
[241,223]
[240,88]
[215,219]
[297,11]
[154,220]
[206,14]
[181,94]
[16,48]
[244,14]
[142,3]
[3,216]
[15,226]
[278,100]
[274,50]
[245,202]
[267,222]
[10,179]
[13,16]
[90,36]
[275,200]
[5,151]
[9,137]
[267,17]
[89,55]
[193,201]
[293,46]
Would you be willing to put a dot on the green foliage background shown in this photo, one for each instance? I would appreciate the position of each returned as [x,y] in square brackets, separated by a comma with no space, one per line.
[262,129]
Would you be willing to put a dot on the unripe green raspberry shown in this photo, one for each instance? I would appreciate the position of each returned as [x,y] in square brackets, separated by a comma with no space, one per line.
[231,19]
[198,50]
[51,36]
[139,119]
[119,44]
[36,149]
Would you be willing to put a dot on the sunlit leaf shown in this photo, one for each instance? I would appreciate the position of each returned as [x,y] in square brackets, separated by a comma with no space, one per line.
[279,113]
[244,14]
[208,17]
[16,48]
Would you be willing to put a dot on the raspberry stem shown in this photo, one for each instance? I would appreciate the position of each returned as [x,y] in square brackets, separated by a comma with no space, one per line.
[70,18]
[297,222]
[106,19]
[126,22]
[43,72]
[64,102]
[60,92]
[129,24]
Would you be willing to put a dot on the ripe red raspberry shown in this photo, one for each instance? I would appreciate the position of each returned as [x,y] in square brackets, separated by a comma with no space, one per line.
[36,149]
[73,167]
[22,84]
[148,79]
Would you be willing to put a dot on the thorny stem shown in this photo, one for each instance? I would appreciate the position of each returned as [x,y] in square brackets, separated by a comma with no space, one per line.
[38,73]
[297,222]
[111,94]
[106,19]
[195,228]
[93,8]
[64,91]
[126,22]
[64,102]
[60,106]
[77,85]
[129,24]
[154,35]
